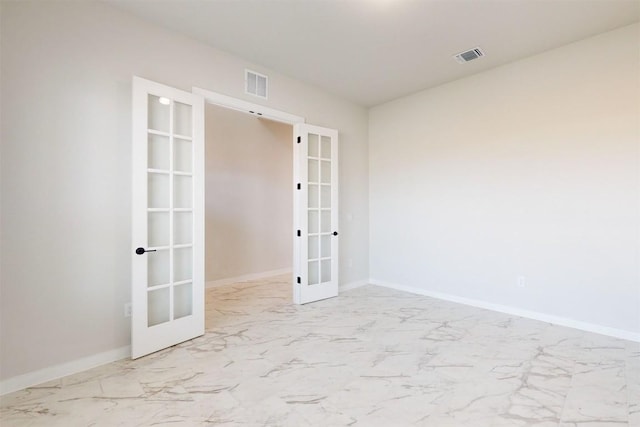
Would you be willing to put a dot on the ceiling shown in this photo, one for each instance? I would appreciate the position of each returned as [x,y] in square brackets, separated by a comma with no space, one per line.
[372,51]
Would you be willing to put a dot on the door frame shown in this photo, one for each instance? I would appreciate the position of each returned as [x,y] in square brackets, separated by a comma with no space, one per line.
[262,111]
[247,107]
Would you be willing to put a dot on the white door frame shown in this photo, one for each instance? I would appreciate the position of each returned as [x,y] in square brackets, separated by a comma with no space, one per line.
[257,110]
[247,107]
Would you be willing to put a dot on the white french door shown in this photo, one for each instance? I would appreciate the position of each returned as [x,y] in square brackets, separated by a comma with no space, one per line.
[167,285]
[316,213]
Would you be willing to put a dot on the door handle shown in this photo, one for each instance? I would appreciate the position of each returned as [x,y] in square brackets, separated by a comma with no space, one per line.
[335,233]
[140,251]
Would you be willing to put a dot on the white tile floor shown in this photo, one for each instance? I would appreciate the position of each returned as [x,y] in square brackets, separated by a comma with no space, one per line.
[371,357]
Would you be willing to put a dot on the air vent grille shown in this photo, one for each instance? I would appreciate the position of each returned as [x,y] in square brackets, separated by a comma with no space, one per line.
[255,83]
[469,55]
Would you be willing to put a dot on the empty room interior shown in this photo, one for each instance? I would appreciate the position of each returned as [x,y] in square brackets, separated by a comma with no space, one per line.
[320,213]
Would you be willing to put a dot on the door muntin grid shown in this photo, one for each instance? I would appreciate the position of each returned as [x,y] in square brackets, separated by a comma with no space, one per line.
[319,209]
[169,210]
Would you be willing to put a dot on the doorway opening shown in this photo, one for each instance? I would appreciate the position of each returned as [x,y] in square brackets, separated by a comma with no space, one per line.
[315,200]
[248,208]
[168,210]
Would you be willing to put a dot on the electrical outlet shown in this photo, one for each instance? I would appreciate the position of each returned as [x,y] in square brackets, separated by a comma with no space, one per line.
[522,282]
[127,310]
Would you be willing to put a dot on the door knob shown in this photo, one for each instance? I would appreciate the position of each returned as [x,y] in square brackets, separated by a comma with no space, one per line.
[335,233]
[140,251]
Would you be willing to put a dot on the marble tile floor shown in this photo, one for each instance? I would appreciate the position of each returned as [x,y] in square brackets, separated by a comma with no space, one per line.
[371,357]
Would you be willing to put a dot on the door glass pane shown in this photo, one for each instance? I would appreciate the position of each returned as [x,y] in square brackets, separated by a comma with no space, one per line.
[326,172]
[158,110]
[326,270]
[158,190]
[182,155]
[313,145]
[182,301]
[326,147]
[157,267]
[325,196]
[314,252]
[182,191]
[313,171]
[313,196]
[325,226]
[181,119]
[158,152]
[182,228]
[182,264]
[157,306]
[326,246]
[158,229]
[314,274]
[313,222]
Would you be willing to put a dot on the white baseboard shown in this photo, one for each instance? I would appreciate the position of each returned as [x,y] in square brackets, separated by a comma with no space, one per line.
[535,315]
[352,285]
[247,277]
[58,371]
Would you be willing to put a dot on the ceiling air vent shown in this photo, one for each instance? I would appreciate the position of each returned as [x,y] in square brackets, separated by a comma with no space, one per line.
[469,55]
[255,83]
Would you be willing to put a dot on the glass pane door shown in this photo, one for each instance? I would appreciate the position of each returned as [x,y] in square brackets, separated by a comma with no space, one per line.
[318,270]
[168,225]
[319,209]
[170,210]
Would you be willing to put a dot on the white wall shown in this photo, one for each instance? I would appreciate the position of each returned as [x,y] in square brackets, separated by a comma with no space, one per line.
[529,169]
[249,194]
[66,168]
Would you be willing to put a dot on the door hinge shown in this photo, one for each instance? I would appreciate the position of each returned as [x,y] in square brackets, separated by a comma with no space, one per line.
[299,233]
[299,281]
[299,186]
[299,139]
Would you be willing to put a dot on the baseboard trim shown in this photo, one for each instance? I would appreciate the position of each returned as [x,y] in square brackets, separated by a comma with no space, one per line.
[247,277]
[535,315]
[352,285]
[51,373]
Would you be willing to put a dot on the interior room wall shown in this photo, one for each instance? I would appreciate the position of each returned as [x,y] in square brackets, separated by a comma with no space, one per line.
[530,169]
[248,194]
[66,170]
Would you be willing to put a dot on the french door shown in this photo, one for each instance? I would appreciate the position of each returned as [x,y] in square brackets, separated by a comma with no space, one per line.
[168,217]
[316,213]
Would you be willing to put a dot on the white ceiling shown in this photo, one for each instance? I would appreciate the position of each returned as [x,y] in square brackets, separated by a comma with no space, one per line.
[372,51]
